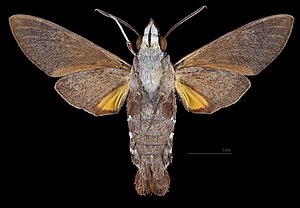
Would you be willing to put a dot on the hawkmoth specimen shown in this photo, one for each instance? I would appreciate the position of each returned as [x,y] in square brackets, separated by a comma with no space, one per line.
[97,81]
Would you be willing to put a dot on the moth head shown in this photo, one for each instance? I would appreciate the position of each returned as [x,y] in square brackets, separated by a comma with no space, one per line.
[151,38]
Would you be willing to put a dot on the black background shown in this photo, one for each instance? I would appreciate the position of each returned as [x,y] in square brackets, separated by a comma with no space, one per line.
[56,154]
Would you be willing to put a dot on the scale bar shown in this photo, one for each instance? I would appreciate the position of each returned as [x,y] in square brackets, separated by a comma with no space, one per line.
[209,153]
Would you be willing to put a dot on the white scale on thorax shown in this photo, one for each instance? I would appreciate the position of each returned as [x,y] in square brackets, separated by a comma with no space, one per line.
[150,70]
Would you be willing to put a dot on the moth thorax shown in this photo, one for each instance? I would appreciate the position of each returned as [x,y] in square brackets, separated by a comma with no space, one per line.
[150,69]
[150,79]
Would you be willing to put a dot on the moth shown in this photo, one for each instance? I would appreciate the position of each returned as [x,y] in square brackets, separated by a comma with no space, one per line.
[99,82]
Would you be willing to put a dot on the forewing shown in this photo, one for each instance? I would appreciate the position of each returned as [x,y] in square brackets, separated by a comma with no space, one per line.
[246,50]
[99,92]
[58,51]
[206,90]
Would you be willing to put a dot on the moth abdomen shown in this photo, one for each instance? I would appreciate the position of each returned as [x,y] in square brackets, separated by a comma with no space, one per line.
[151,128]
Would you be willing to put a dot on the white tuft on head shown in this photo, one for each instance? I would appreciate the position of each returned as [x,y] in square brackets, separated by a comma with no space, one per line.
[151,36]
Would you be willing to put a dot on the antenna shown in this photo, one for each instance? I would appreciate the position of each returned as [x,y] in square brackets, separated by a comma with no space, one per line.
[184,19]
[118,21]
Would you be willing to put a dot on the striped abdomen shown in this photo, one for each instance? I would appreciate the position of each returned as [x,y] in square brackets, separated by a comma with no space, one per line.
[151,127]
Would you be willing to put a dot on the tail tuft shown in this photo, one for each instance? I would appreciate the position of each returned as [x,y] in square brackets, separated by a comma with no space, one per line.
[152,180]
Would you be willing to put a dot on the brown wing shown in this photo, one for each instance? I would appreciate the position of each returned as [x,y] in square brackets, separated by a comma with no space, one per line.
[212,77]
[99,92]
[95,80]
[58,51]
[246,50]
[206,90]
